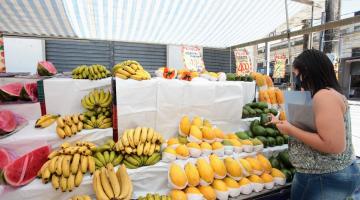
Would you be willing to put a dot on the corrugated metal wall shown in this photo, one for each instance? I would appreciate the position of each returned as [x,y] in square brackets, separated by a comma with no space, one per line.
[66,55]
[218,60]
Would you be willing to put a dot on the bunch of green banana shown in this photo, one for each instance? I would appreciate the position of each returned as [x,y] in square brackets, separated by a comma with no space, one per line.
[69,125]
[100,122]
[106,157]
[80,197]
[140,141]
[93,72]
[130,69]
[96,100]
[154,197]
[45,121]
[135,161]
[66,166]
[110,185]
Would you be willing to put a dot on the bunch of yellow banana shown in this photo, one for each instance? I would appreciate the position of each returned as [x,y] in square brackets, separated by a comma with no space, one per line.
[45,121]
[154,197]
[100,122]
[93,72]
[134,161]
[66,166]
[110,185]
[130,69]
[80,197]
[140,141]
[69,125]
[97,100]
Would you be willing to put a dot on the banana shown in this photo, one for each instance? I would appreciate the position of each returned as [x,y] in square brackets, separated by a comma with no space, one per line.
[99,121]
[123,72]
[106,125]
[52,165]
[153,159]
[53,154]
[74,129]
[157,148]
[136,77]
[46,175]
[86,126]
[85,105]
[137,136]
[65,145]
[128,150]
[68,120]
[117,160]
[91,163]
[42,169]
[68,131]
[137,158]
[75,118]
[101,157]
[75,163]
[55,181]
[59,165]
[43,119]
[83,163]
[98,188]
[146,148]
[129,69]
[102,96]
[71,182]
[114,182]
[150,134]
[152,149]
[102,148]
[125,182]
[90,99]
[112,156]
[81,117]
[98,163]
[121,76]
[119,146]
[140,149]
[66,166]
[155,137]
[129,165]
[106,184]
[106,157]
[111,143]
[80,126]
[47,122]
[144,132]
[132,160]
[124,139]
[130,136]
[60,122]
[93,121]
[63,183]
[78,178]
[96,95]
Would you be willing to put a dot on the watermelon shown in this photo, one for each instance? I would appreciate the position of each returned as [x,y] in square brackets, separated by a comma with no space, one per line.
[46,68]
[29,92]
[7,122]
[10,92]
[24,169]
[4,158]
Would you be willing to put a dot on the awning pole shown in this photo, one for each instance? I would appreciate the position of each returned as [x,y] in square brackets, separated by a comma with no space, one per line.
[289,43]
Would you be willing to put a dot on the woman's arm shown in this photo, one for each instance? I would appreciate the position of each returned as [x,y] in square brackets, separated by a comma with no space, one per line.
[329,120]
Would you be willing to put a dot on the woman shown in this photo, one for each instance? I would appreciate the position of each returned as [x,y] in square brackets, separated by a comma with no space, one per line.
[324,160]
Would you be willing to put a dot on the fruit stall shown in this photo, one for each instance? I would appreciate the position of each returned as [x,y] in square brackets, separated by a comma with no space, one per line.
[122,132]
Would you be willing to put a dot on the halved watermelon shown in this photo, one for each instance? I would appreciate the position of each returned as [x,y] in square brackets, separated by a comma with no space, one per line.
[4,158]
[24,169]
[7,121]
[46,68]
[10,92]
[29,92]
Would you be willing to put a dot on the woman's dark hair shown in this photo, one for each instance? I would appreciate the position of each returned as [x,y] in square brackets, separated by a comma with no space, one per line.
[317,71]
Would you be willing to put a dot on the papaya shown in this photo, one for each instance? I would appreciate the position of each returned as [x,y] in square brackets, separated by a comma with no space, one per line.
[279,140]
[263,140]
[258,111]
[254,123]
[271,141]
[270,132]
[259,130]
[273,111]
[264,119]
[242,135]
[274,162]
[284,157]
[250,134]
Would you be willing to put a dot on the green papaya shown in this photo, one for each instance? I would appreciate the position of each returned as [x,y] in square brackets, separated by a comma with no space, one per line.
[270,132]
[284,157]
[274,162]
[263,140]
[271,141]
[254,123]
[250,134]
[242,135]
[262,105]
[279,140]
[264,119]
[273,111]
[259,130]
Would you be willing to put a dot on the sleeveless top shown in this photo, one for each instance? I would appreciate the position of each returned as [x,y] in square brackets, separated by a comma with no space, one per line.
[308,160]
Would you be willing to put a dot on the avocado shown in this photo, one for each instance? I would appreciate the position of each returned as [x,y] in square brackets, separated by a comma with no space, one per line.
[274,162]
[277,132]
[249,79]
[264,119]
[254,123]
[287,174]
[286,139]
[245,113]
[284,157]
[230,77]
[259,130]
[247,107]
[270,132]
[271,141]
[273,111]
[279,140]
[258,111]
[252,112]
[263,140]
[266,111]
[250,134]
[242,135]
[253,105]
[262,105]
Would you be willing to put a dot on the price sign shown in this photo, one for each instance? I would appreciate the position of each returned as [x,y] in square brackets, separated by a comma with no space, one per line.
[243,62]
[279,66]
[193,59]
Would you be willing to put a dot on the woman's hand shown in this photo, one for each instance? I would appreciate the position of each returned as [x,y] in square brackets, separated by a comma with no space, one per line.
[283,126]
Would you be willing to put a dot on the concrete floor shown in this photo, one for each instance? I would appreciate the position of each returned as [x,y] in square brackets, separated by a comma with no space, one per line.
[355,124]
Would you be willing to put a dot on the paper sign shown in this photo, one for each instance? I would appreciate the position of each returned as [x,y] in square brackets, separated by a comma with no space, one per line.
[334,61]
[2,55]
[243,62]
[192,58]
[279,66]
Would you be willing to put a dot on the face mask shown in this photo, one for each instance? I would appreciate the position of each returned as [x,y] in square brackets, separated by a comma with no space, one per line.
[297,82]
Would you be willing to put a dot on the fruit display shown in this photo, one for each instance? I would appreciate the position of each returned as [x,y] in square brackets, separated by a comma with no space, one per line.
[46,68]
[46,120]
[23,170]
[8,122]
[65,167]
[80,197]
[281,162]
[106,154]
[19,91]
[166,72]
[234,77]
[69,125]
[130,69]
[98,104]
[92,72]
[186,75]
[212,76]
[108,184]
[154,197]
[256,109]
[4,158]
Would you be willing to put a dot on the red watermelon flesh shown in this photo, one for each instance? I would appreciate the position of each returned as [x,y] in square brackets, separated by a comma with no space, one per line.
[29,92]
[46,68]
[7,121]
[10,92]
[24,169]
[4,158]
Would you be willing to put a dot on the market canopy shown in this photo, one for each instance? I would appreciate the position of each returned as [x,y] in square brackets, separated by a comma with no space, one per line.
[209,23]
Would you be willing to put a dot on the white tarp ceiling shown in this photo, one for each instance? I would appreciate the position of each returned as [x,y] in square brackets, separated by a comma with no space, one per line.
[209,23]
